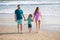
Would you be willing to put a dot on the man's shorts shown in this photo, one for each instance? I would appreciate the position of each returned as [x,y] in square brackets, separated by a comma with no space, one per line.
[19,21]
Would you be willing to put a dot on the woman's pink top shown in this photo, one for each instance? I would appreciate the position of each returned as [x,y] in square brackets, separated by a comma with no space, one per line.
[37,16]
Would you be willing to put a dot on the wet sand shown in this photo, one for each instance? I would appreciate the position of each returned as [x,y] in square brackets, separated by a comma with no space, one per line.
[10,33]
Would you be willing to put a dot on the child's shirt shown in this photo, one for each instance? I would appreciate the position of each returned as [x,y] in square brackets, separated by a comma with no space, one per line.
[29,20]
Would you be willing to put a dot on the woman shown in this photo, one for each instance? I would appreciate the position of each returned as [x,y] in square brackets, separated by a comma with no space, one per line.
[37,16]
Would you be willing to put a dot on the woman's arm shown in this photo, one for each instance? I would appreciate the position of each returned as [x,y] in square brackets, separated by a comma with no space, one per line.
[40,15]
[33,16]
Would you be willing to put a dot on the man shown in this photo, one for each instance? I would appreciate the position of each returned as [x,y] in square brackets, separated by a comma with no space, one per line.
[18,18]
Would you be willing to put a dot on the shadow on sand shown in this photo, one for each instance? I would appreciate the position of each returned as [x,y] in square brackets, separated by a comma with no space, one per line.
[12,33]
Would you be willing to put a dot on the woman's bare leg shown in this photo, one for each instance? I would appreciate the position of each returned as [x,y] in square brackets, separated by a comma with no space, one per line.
[38,25]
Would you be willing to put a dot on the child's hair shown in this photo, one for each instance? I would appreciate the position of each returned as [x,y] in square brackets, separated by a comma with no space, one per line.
[30,15]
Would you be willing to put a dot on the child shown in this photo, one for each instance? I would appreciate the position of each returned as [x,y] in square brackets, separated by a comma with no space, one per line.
[29,19]
[37,16]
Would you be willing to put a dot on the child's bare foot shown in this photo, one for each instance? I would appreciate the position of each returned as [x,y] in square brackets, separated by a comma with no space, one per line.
[36,31]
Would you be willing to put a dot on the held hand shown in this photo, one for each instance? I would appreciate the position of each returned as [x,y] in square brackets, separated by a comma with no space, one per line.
[15,20]
[24,19]
[33,20]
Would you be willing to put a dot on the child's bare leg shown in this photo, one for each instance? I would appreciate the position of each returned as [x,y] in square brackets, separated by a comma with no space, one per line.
[30,29]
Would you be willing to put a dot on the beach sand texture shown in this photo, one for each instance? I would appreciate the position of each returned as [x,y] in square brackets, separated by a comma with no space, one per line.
[10,33]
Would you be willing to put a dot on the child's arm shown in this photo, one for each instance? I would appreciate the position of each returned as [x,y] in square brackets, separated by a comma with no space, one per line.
[32,20]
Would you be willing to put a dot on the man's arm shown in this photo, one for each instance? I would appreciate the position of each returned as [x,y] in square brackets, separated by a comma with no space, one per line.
[24,17]
[15,17]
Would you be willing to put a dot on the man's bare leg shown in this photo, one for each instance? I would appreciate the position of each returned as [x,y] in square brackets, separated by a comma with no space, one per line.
[20,28]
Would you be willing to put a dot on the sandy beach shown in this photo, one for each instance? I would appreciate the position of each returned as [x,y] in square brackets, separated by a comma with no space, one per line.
[10,33]
[50,23]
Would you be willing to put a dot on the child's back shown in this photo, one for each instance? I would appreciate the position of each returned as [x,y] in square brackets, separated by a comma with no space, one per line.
[29,19]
